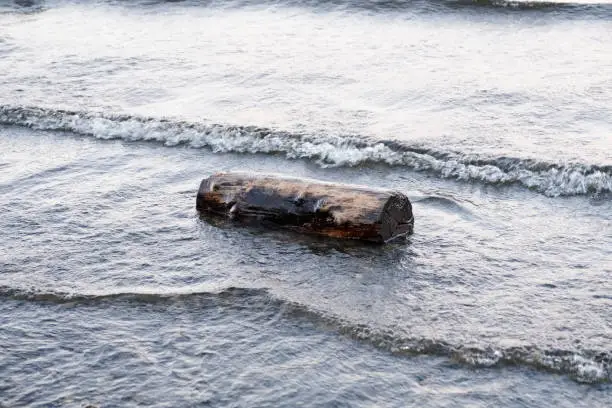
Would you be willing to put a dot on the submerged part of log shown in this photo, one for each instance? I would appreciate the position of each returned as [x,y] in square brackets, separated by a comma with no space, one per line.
[308,206]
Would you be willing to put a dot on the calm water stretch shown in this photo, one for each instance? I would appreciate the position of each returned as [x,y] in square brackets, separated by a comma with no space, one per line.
[493,116]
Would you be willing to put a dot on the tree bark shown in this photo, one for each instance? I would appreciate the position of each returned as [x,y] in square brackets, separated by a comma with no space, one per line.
[308,206]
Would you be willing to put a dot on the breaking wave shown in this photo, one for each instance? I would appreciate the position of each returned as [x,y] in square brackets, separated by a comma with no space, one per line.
[585,366]
[424,5]
[591,8]
[551,179]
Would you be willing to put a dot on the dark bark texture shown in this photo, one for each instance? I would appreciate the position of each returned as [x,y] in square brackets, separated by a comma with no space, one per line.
[308,206]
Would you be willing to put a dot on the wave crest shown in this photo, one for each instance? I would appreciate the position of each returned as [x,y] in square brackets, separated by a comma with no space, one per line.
[586,366]
[551,179]
[580,8]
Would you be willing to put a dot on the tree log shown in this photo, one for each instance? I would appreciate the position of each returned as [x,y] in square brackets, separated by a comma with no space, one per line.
[308,206]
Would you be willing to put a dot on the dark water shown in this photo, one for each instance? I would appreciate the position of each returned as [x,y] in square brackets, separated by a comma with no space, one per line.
[493,117]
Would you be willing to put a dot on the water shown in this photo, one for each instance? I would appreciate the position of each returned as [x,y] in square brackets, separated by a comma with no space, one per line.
[492,116]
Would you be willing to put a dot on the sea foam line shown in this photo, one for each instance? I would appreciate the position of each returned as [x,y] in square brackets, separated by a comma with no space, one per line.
[585,366]
[551,179]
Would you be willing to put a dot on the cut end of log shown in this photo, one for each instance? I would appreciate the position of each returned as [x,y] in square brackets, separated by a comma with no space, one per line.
[308,206]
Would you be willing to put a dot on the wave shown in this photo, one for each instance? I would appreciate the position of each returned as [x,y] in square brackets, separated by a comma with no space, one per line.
[585,366]
[136,295]
[559,5]
[22,6]
[595,8]
[551,179]
[413,5]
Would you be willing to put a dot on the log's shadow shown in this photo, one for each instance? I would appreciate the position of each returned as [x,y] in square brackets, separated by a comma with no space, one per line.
[318,244]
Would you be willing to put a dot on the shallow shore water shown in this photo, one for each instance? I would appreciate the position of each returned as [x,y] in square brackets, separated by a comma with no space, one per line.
[493,117]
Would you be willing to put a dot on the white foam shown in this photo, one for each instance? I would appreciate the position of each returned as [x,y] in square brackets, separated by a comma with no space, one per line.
[326,150]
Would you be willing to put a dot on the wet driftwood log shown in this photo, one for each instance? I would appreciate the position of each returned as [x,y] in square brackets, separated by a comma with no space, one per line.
[308,206]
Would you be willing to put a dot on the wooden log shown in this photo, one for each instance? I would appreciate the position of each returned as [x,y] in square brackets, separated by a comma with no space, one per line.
[308,206]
